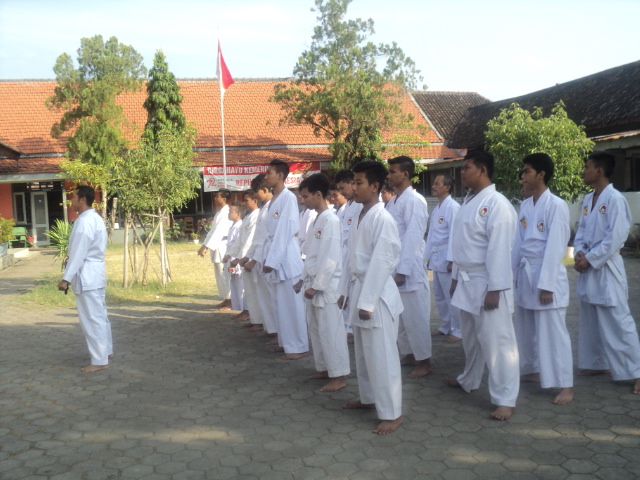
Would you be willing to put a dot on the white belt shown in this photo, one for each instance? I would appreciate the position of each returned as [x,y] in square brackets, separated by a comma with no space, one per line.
[463,272]
[439,248]
[526,264]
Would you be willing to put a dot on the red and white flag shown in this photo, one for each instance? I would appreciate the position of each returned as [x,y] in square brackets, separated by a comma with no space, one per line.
[224,76]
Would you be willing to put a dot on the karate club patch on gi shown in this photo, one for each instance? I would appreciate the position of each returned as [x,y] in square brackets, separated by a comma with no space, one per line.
[349,222]
[483,211]
[541,226]
[523,222]
[603,208]
[318,233]
[585,211]
[276,215]
[441,220]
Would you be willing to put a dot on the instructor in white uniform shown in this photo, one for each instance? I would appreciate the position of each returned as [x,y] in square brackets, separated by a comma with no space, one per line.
[85,272]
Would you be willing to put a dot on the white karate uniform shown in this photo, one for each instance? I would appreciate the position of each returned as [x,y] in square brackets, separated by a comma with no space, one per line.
[216,242]
[282,253]
[85,271]
[409,210]
[347,214]
[482,237]
[307,217]
[608,336]
[235,278]
[239,249]
[367,284]
[544,345]
[322,270]
[438,255]
[262,287]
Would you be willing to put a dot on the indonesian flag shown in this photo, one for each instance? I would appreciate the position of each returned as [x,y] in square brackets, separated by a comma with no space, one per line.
[224,76]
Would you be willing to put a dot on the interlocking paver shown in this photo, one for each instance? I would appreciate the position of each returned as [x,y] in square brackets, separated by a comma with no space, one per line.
[191,396]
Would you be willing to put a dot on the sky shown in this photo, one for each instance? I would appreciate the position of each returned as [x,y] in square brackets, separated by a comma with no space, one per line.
[498,48]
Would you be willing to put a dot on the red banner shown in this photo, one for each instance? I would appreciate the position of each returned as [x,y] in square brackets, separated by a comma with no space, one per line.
[239,176]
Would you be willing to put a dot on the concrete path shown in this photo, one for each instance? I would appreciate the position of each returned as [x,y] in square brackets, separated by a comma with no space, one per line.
[191,396]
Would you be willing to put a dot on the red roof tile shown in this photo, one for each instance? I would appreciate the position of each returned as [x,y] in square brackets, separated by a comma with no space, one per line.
[251,122]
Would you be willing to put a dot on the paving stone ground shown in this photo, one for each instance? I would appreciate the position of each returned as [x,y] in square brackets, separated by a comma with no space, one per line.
[191,396]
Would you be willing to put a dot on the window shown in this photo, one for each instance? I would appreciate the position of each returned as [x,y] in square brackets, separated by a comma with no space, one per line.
[19,208]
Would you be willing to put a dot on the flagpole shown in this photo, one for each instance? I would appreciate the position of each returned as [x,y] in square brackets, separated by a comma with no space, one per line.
[224,153]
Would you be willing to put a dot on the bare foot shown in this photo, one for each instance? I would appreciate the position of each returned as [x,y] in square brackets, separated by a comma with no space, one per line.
[452,382]
[267,334]
[111,356]
[273,342]
[388,426]
[254,328]
[503,413]
[437,333]
[408,360]
[334,385]
[591,373]
[319,375]
[225,309]
[294,356]
[565,396]
[225,303]
[357,404]
[422,370]
[276,350]
[636,387]
[530,378]
[241,317]
[94,368]
[453,339]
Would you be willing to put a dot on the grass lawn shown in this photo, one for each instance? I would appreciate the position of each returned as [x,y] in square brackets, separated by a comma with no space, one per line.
[192,277]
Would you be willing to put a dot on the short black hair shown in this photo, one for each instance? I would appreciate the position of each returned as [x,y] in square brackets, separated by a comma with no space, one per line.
[344,175]
[249,194]
[239,206]
[540,162]
[373,171]
[447,181]
[334,186]
[405,163]
[388,188]
[223,193]
[280,167]
[258,183]
[482,158]
[318,182]
[86,192]
[605,161]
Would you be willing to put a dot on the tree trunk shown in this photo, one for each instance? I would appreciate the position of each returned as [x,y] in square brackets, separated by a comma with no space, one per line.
[163,269]
[112,219]
[125,263]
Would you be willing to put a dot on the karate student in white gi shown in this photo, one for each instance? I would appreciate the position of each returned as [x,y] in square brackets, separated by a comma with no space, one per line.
[347,216]
[239,251]
[607,335]
[283,263]
[235,273]
[338,201]
[321,278]
[85,273]
[437,256]
[254,258]
[307,217]
[369,292]
[216,242]
[386,194]
[409,209]
[541,285]
[482,285]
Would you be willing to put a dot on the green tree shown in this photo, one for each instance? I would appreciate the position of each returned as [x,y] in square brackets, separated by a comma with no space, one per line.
[157,177]
[163,100]
[516,133]
[87,94]
[153,180]
[341,91]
